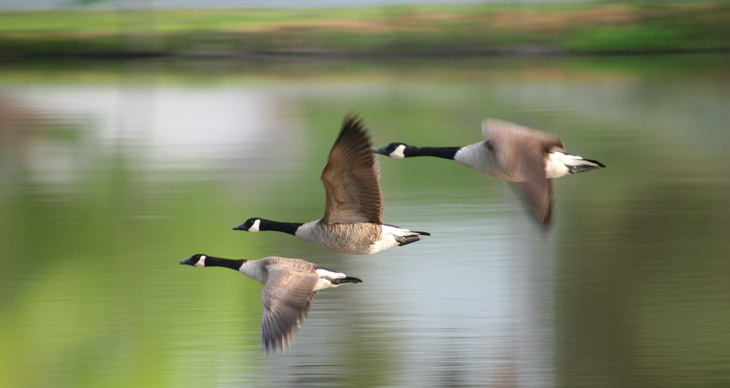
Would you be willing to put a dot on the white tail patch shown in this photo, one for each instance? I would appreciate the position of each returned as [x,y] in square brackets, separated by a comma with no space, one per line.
[558,162]
[388,238]
[323,273]
[325,279]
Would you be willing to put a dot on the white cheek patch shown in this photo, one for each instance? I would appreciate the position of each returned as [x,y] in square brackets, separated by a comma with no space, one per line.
[398,152]
[255,226]
[201,261]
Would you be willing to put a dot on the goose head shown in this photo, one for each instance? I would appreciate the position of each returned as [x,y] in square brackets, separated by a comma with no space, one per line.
[393,150]
[196,260]
[251,225]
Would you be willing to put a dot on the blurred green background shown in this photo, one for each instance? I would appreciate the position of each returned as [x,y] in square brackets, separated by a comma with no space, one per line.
[138,29]
[115,167]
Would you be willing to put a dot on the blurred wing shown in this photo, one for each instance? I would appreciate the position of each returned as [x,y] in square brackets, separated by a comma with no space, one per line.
[351,178]
[521,152]
[287,297]
[539,195]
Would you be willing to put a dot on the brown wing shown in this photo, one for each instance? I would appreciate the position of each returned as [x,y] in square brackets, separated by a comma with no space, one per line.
[522,152]
[351,178]
[287,296]
[540,196]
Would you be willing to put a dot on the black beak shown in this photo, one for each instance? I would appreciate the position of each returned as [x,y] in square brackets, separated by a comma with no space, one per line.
[380,150]
[240,227]
[190,261]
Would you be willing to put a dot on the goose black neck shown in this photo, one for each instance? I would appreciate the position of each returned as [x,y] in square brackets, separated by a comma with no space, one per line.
[211,261]
[286,227]
[439,152]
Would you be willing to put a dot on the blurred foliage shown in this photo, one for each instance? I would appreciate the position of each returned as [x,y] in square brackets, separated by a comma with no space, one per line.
[584,27]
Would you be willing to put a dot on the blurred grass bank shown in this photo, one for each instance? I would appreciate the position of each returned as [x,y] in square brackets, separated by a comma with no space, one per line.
[467,29]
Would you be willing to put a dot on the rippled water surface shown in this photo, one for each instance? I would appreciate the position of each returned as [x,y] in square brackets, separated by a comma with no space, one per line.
[112,174]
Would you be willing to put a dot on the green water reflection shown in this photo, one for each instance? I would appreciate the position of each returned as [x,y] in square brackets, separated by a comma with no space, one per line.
[112,174]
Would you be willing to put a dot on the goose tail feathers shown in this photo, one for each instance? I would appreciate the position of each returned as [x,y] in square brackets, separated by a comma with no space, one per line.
[409,238]
[559,164]
[583,165]
[346,280]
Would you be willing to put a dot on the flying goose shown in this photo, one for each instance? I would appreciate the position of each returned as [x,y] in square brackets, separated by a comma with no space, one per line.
[352,220]
[513,153]
[289,288]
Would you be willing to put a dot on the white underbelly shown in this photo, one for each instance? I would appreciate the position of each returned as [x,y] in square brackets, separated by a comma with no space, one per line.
[353,239]
[385,242]
[388,238]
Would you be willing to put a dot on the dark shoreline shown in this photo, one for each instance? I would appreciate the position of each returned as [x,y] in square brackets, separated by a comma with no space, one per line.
[324,54]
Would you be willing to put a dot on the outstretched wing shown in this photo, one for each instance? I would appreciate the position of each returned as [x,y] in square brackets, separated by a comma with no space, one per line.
[539,194]
[522,152]
[351,178]
[287,296]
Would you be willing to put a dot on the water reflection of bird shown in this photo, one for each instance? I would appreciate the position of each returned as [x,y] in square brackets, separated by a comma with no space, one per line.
[352,221]
[513,153]
[290,287]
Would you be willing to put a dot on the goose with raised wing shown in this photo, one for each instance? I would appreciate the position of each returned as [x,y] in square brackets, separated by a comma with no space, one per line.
[289,288]
[527,157]
[352,221]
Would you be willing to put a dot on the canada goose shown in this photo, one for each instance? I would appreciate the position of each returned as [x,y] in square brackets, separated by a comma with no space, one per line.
[352,218]
[513,153]
[289,287]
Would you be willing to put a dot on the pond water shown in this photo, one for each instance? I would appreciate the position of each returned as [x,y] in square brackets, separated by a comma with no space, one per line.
[111,174]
